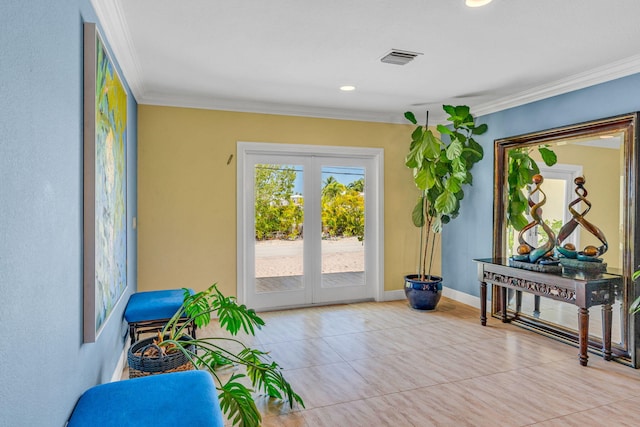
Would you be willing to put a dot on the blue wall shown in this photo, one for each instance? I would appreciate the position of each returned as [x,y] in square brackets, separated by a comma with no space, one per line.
[44,364]
[470,235]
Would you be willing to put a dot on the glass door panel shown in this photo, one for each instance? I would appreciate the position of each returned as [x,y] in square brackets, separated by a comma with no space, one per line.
[278,223]
[343,212]
[344,246]
[275,262]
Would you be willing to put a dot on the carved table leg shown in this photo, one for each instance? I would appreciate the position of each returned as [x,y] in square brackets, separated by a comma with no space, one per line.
[503,302]
[518,302]
[483,303]
[606,331]
[583,332]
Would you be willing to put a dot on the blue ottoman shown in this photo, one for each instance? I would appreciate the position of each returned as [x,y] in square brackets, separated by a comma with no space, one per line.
[177,399]
[150,311]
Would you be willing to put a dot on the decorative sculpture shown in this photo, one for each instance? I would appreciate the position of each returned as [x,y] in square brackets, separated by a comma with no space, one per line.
[588,258]
[529,256]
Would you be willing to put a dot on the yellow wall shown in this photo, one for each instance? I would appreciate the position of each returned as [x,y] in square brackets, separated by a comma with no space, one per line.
[187,192]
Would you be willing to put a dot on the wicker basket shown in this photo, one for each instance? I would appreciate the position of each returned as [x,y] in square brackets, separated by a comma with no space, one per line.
[142,365]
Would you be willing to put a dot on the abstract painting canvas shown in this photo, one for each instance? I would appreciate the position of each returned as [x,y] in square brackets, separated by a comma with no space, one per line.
[105,224]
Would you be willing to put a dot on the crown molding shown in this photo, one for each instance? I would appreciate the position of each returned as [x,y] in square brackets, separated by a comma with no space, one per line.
[116,31]
[615,70]
[243,106]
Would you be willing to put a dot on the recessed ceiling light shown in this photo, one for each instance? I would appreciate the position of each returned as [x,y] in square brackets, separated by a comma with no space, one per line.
[476,3]
[347,88]
[606,136]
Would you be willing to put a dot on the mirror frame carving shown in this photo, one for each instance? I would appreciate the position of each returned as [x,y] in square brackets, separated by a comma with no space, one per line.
[628,351]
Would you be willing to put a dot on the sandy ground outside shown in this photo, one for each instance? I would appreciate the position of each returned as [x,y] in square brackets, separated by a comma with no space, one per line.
[284,257]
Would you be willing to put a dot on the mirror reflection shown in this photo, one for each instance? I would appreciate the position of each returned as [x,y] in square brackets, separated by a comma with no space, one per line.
[595,151]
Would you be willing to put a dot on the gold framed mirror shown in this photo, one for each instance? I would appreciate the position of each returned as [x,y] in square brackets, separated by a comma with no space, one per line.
[604,152]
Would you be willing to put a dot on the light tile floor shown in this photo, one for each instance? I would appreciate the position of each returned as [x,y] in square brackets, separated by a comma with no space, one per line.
[384,364]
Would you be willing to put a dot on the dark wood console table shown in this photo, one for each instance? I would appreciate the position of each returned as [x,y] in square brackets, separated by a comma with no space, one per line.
[571,287]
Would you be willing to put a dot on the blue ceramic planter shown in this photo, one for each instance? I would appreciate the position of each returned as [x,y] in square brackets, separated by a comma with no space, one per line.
[423,295]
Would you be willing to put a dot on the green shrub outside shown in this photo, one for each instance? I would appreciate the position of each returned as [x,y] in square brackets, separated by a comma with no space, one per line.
[279,214]
[342,211]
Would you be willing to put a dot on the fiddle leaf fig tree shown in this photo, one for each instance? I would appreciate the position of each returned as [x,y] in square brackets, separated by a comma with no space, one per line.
[440,170]
[521,170]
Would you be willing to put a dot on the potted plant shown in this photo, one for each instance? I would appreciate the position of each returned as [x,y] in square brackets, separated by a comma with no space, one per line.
[440,170]
[215,353]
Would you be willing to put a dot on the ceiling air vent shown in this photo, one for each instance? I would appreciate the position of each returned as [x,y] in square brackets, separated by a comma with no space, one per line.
[399,57]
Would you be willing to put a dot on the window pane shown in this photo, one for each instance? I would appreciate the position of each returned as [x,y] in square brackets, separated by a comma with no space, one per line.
[279,215]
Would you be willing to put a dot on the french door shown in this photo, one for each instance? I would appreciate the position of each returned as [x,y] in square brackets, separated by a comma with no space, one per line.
[309,225]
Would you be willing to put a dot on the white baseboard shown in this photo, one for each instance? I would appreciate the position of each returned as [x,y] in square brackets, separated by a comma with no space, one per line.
[461,297]
[122,362]
[394,295]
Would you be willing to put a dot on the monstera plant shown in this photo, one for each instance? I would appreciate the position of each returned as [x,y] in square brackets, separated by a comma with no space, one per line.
[214,353]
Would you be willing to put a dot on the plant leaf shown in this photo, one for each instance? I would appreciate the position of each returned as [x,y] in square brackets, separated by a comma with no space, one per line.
[437,225]
[454,150]
[548,156]
[431,145]
[518,222]
[449,109]
[479,130]
[476,147]
[457,135]
[411,162]
[462,111]
[416,154]
[424,179]
[534,168]
[417,134]
[516,206]
[237,402]
[198,307]
[411,117]
[446,202]
[524,177]
[266,375]
[215,359]
[461,176]
[458,165]
[444,130]
[452,185]
[234,317]
[417,215]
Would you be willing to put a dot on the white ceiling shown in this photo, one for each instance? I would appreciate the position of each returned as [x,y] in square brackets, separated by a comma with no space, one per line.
[291,56]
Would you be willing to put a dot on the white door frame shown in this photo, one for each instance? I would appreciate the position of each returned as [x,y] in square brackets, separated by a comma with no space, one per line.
[375,268]
[567,173]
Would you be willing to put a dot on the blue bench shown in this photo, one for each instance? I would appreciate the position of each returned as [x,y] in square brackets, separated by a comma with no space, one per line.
[177,399]
[150,311]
